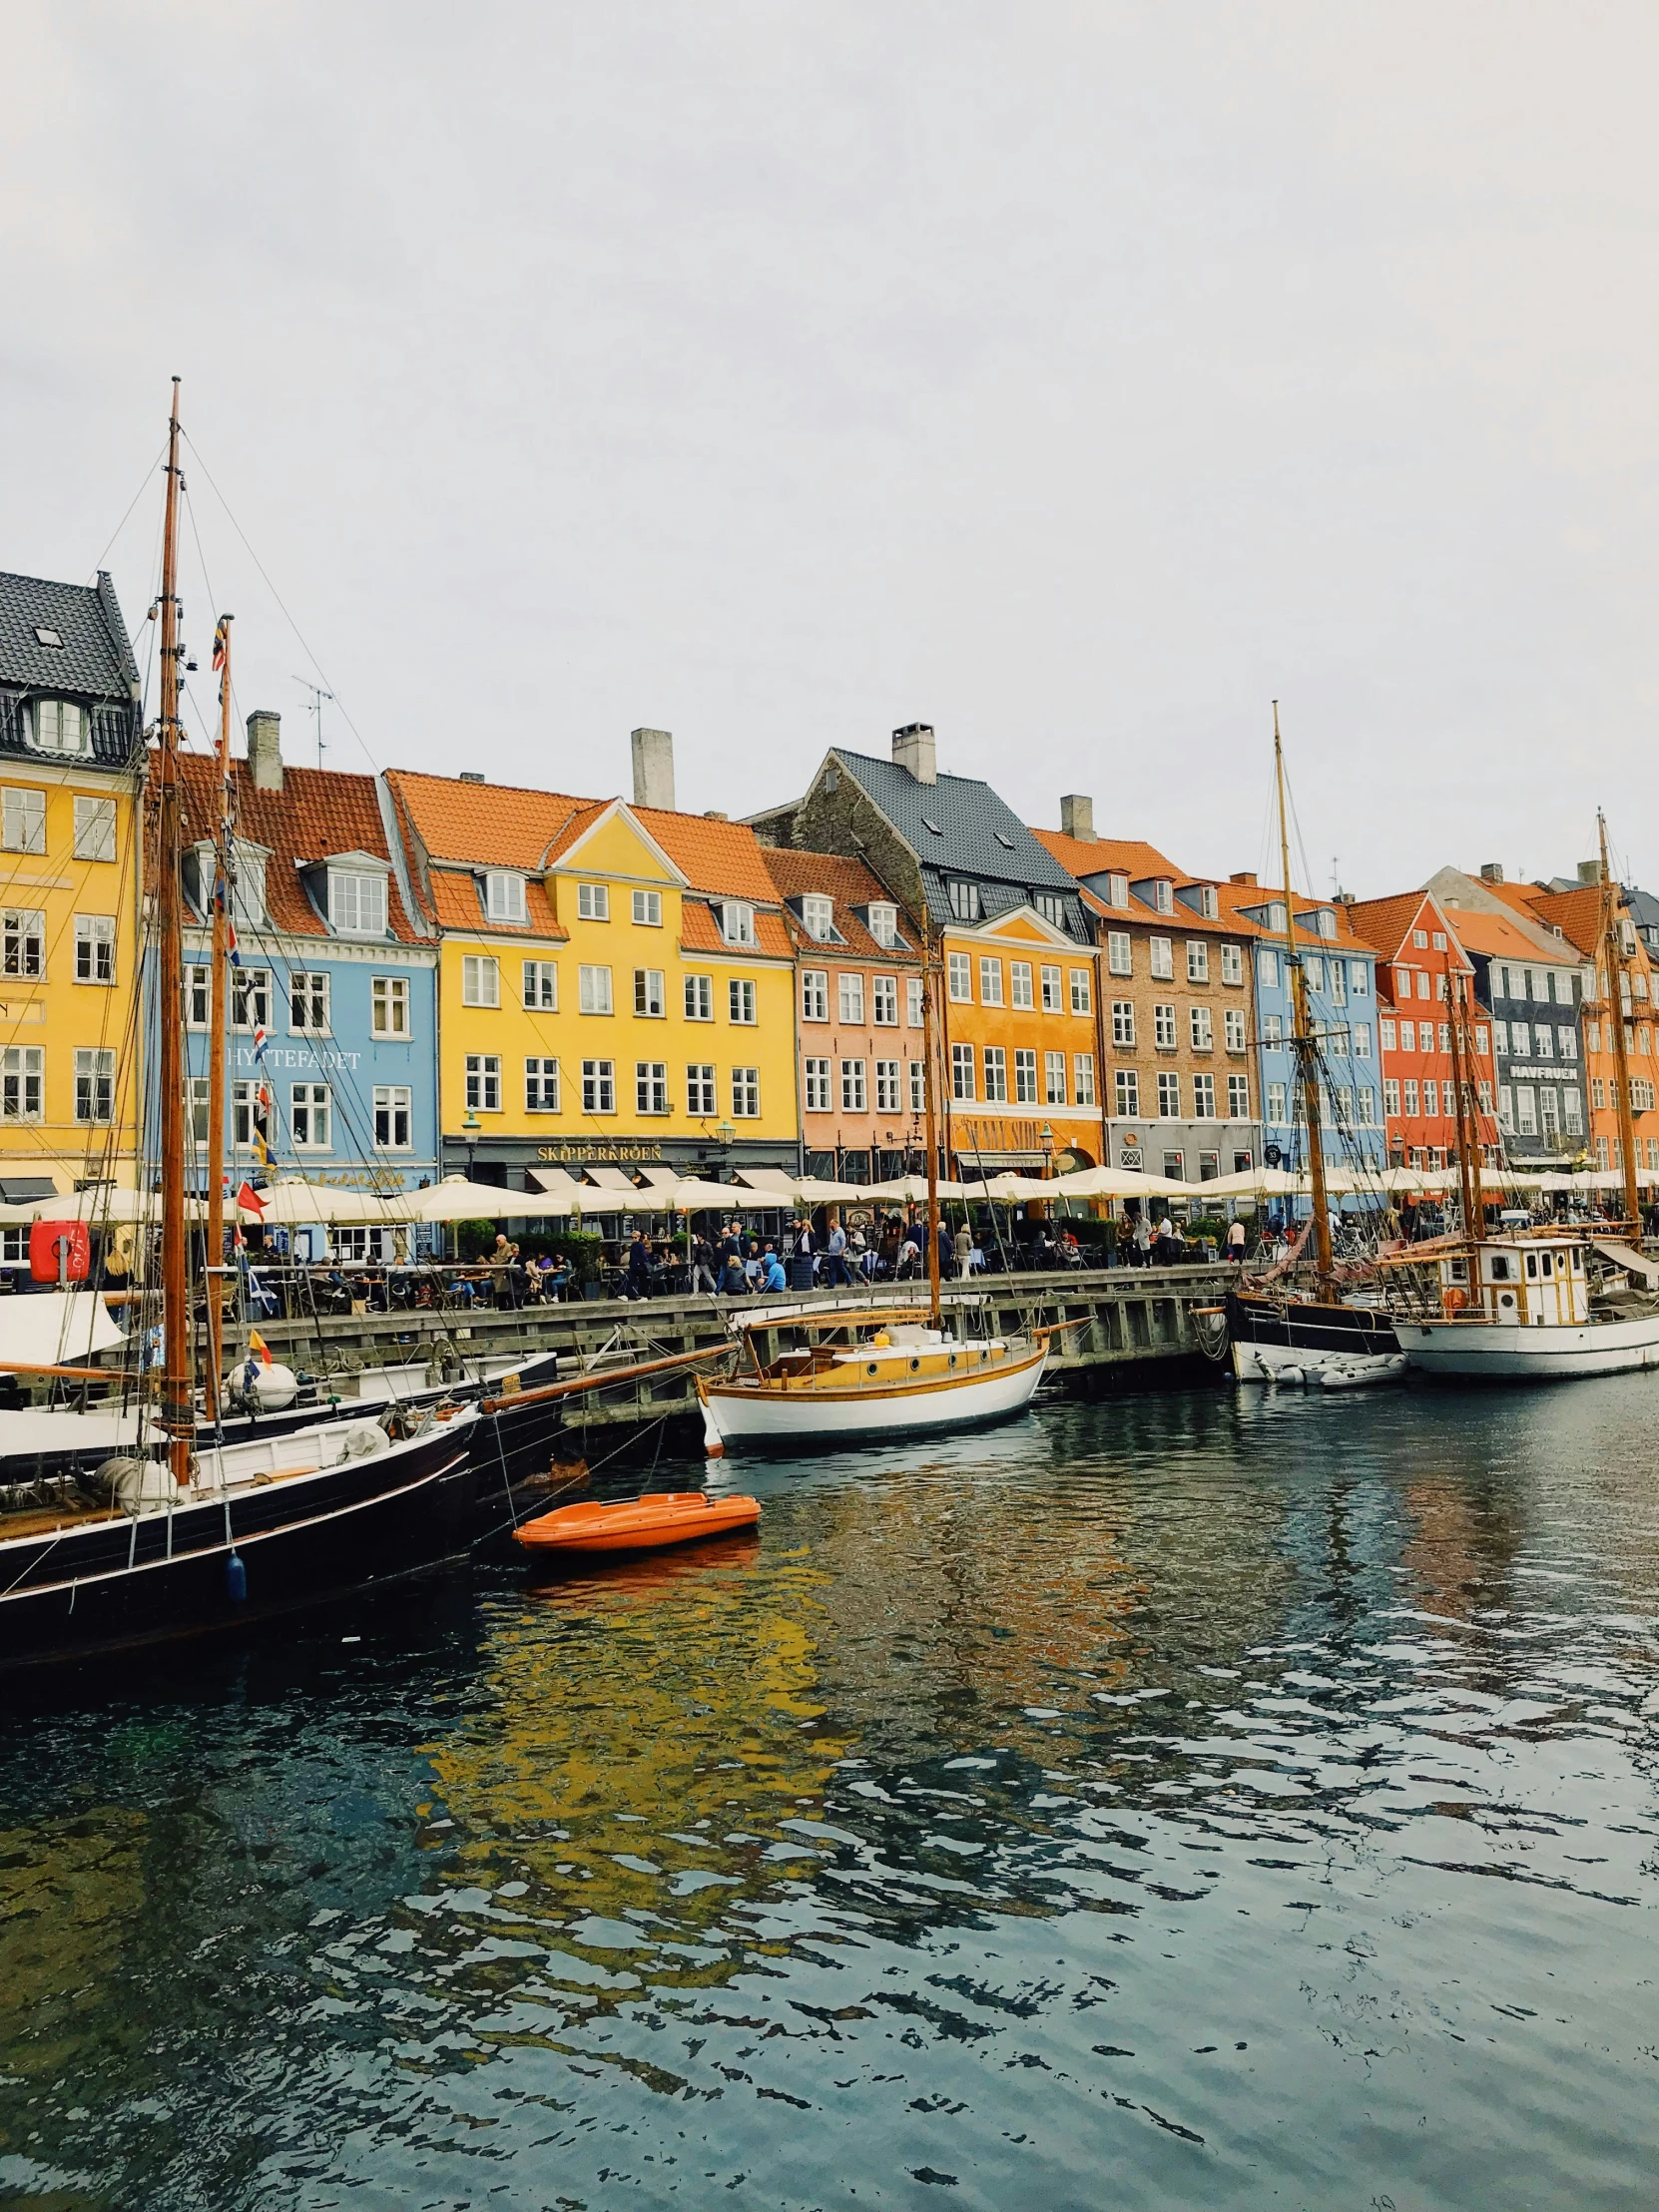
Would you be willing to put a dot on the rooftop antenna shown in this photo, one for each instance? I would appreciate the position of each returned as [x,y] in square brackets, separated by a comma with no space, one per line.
[1336,873]
[319,694]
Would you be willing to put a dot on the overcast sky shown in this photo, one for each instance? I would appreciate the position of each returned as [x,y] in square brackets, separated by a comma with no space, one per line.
[1075,378]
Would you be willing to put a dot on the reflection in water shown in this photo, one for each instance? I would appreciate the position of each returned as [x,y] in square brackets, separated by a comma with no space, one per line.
[1167,1801]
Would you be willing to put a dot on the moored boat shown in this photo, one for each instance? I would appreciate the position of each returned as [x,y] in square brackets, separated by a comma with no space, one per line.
[649,1524]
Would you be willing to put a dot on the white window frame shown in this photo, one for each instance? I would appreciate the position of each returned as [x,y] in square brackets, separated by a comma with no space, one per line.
[22,1083]
[357,902]
[95,827]
[390,1016]
[311,990]
[855,1095]
[538,990]
[995,1057]
[849,999]
[1198,961]
[1231,963]
[741,1008]
[593,902]
[818,917]
[23,938]
[1127,1084]
[650,1088]
[593,986]
[817,1086]
[599,1086]
[94,1085]
[702,1089]
[482,1072]
[884,1001]
[1054,1079]
[960,977]
[700,997]
[647,907]
[650,995]
[249,1001]
[542,1092]
[746,1094]
[888,1087]
[737,921]
[310,1108]
[23,818]
[1082,992]
[814,994]
[990,980]
[480,979]
[393,1106]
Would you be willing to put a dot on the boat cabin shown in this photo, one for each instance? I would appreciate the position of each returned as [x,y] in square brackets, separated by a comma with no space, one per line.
[1535,1281]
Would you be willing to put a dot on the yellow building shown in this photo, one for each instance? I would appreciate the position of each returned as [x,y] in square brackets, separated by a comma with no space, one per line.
[71,765]
[615,984]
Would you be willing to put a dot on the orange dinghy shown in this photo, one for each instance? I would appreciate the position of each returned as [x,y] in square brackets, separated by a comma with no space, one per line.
[638,1523]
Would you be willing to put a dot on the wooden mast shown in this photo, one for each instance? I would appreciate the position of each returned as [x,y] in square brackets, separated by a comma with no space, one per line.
[935,1310]
[1307,1060]
[178,1400]
[220,1025]
[1613,964]
[1468,1108]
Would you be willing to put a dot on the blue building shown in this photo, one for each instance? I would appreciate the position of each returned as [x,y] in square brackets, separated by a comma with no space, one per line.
[1341,973]
[332,1070]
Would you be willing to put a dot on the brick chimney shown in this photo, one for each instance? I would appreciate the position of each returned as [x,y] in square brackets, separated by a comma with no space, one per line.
[265,750]
[654,769]
[914,749]
[1245,875]
[1077,817]
[1492,872]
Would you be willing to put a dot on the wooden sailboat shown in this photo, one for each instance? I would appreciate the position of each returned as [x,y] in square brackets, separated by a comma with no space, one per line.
[1552,1303]
[1294,1337]
[863,1377]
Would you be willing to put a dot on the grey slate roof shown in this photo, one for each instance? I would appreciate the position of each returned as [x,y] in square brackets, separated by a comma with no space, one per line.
[93,665]
[960,827]
[1641,907]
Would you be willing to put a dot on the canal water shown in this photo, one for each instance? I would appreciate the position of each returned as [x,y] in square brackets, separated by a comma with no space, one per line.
[1181,1800]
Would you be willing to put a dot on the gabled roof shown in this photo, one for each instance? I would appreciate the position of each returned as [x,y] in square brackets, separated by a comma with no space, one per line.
[1235,898]
[457,906]
[1496,935]
[1387,923]
[1577,914]
[92,666]
[723,859]
[487,824]
[850,884]
[1131,857]
[317,812]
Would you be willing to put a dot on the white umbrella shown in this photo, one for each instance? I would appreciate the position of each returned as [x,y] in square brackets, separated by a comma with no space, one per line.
[647,1198]
[813,1190]
[911,1190]
[456,1199]
[105,1204]
[1014,1190]
[693,1196]
[1111,1182]
[294,1201]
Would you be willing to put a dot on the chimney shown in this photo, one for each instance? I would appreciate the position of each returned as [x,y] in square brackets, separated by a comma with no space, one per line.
[654,769]
[1077,817]
[1245,875]
[1589,871]
[265,750]
[914,749]
[1492,872]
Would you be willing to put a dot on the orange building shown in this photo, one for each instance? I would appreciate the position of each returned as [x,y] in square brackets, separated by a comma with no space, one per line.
[1420,964]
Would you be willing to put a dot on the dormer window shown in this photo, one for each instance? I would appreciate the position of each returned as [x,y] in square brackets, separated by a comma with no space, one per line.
[357,902]
[883,925]
[1276,916]
[1327,923]
[964,898]
[1117,890]
[737,921]
[818,915]
[60,726]
[247,891]
[1163,896]
[1051,907]
[1208,904]
[503,895]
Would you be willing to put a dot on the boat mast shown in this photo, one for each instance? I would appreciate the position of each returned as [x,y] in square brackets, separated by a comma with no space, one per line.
[177,1406]
[220,1025]
[1613,961]
[1307,1058]
[935,1311]
[1468,1112]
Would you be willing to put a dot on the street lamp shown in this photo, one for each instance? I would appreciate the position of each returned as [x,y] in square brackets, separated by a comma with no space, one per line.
[1045,1142]
[726,1136]
[472,1129]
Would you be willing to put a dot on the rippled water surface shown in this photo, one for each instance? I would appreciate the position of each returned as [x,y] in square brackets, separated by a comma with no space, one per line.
[1168,1802]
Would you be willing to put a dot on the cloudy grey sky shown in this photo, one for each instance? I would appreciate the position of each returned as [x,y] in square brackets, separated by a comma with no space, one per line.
[1073,378]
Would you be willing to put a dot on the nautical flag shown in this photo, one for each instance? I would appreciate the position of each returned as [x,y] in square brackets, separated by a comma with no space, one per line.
[255,1342]
[262,1037]
[221,639]
[248,1198]
[261,1151]
[230,941]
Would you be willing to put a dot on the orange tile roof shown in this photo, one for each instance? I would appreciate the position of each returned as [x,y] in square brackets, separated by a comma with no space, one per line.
[1234,896]
[1481,931]
[700,932]
[317,812]
[457,906]
[722,858]
[489,825]
[1576,913]
[849,883]
[1129,856]
[1389,921]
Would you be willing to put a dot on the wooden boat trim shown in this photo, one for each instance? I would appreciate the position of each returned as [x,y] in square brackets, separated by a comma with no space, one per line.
[921,1384]
[600,1377]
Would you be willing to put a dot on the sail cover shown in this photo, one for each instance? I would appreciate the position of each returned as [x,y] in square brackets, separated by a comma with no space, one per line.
[56,1328]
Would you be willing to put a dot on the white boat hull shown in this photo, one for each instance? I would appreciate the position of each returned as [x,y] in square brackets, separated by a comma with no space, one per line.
[1509,1351]
[1332,1370]
[741,1420]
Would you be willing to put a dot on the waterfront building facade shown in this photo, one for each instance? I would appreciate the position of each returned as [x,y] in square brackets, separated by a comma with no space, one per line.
[859,1009]
[1419,957]
[71,777]
[332,1012]
[616,983]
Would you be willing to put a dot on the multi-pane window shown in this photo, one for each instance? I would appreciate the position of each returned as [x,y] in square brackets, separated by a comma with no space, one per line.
[540,990]
[1360,1033]
[1569,1043]
[357,904]
[1054,1078]
[1128,1094]
[1448,1098]
[308,1116]
[94,828]
[251,999]
[887,1087]
[1410,1091]
[1051,985]
[60,726]
[651,1086]
[814,994]
[541,1085]
[1276,1104]
[914,1017]
[884,994]
[198,1098]
[1273,1028]
[919,1086]
[309,1003]
[198,996]
[1572,1117]
[1231,963]
[1357,979]
[818,915]
[1367,1104]
[392,1120]
[1082,1071]
[1082,991]
[746,1094]
[850,999]
[483,1082]
[959,974]
[701,1098]
[593,902]
[22,1082]
[818,1086]
[648,909]
[593,990]
[740,1001]
[1391,1096]
[1163,1027]
[1120,959]
[736,925]
[1267,969]
[1025,1076]
[94,1084]
[1203,1098]
[1197,1021]
[1163,959]
[1339,983]
[24,941]
[1051,907]
[1198,961]
[853,1100]
[964,898]
[961,1071]
[883,925]
[991,982]
[1169,1096]
[648,993]
[480,979]
[23,819]
[389,998]
[1123,1023]
[249,1115]
[1233,1028]
[94,948]
[996,1074]
[599,1085]
[1238,1098]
